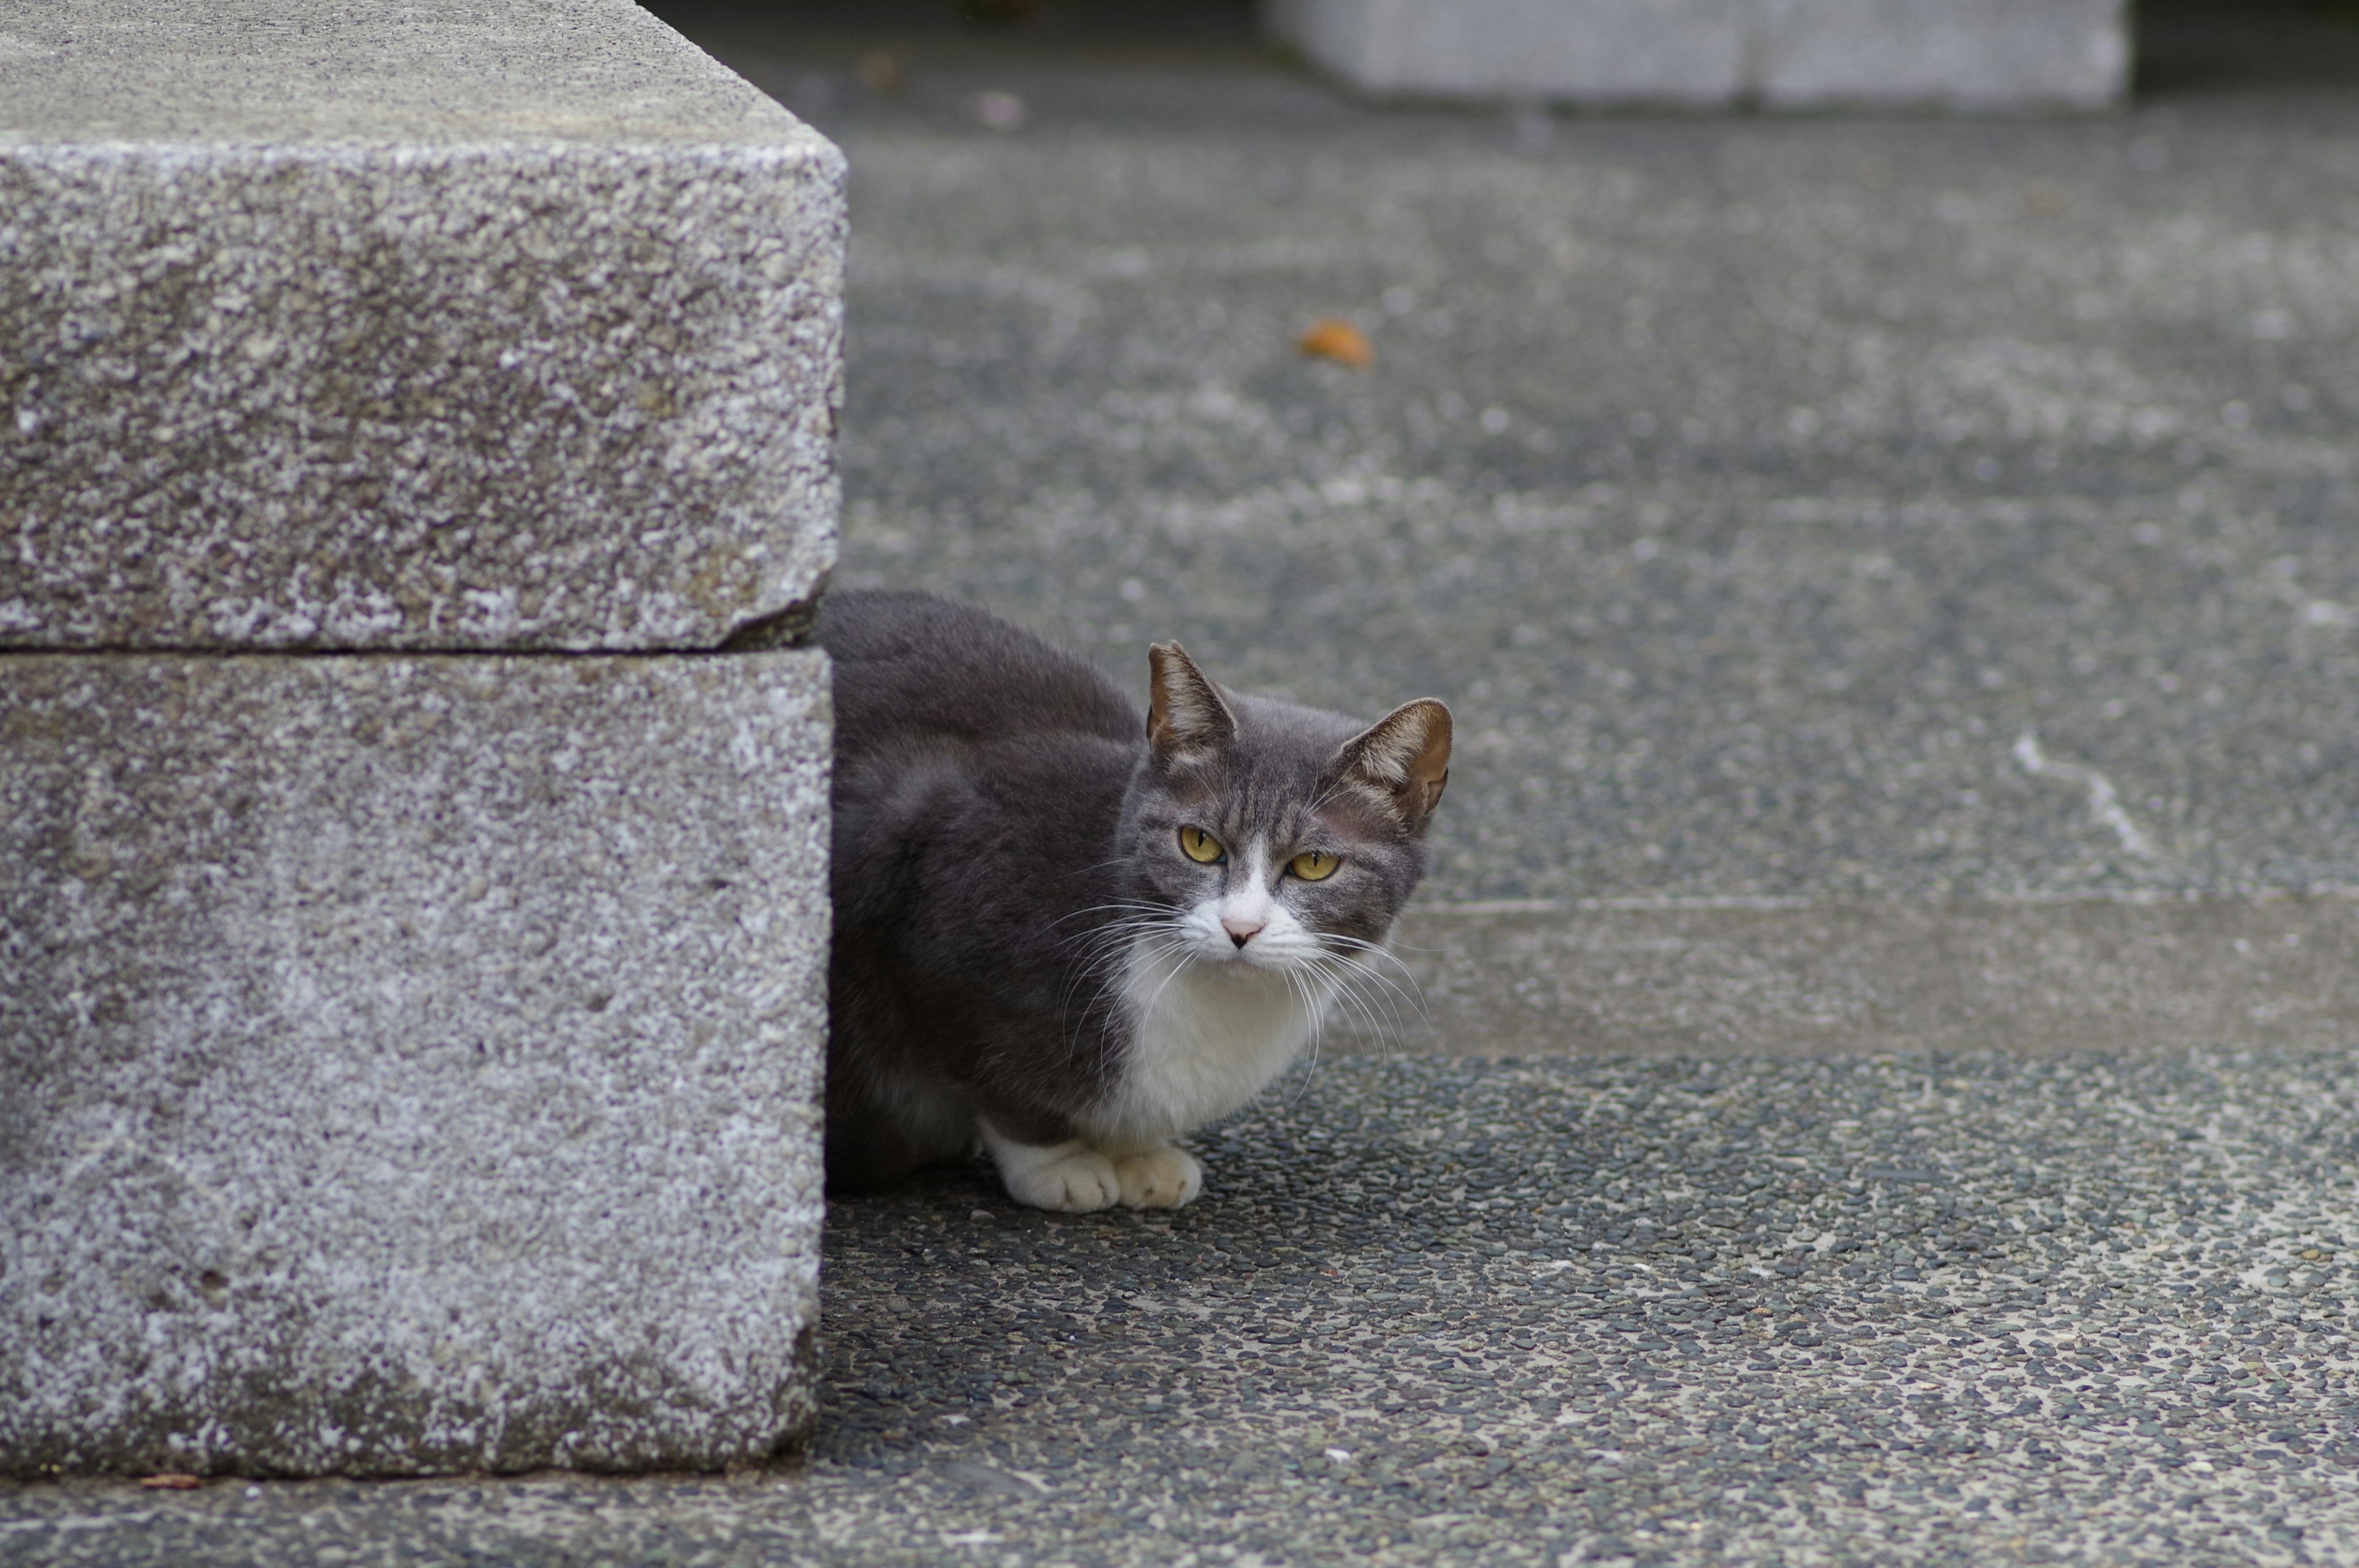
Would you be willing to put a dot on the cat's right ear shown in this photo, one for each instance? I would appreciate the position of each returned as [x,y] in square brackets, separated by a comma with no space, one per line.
[1401,762]
[1187,719]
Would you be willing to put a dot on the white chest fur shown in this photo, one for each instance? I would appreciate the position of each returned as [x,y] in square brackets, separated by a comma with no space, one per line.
[1205,1039]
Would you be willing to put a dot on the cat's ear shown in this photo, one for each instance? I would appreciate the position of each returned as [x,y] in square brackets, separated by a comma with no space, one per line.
[1187,719]
[1402,759]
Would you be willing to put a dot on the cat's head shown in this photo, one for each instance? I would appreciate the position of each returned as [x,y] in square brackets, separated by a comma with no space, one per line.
[1274,837]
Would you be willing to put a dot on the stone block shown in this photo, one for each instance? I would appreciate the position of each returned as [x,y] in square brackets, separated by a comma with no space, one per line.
[1670,51]
[1996,55]
[409,1064]
[1975,55]
[456,324]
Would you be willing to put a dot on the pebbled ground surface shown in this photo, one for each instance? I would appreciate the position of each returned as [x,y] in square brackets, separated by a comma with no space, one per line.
[1754,490]
[1947,1309]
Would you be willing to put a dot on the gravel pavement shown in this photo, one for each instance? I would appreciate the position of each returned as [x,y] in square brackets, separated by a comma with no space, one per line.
[1945,1308]
[1883,1090]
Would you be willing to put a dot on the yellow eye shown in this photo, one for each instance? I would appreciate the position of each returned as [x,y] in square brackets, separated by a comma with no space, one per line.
[1314,865]
[1200,846]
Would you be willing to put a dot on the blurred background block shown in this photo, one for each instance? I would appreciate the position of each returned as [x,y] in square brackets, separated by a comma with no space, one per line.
[1783,54]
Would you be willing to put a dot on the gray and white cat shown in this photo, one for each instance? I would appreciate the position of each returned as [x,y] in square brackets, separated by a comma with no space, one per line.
[1069,932]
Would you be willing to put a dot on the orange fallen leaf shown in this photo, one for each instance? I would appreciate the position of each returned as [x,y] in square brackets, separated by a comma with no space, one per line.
[1332,337]
[171,1481]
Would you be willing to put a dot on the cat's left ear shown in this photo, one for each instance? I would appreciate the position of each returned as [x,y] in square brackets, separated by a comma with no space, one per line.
[1187,720]
[1402,759]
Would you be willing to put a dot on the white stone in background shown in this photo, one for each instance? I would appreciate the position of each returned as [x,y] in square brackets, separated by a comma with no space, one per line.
[409,1064]
[1671,51]
[1991,55]
[1954,54]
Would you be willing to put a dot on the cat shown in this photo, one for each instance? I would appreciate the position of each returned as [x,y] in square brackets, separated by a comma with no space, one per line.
[1069,932]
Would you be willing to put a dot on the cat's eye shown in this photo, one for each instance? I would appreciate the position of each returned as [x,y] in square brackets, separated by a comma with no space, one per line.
[1200,846]
[1313,865]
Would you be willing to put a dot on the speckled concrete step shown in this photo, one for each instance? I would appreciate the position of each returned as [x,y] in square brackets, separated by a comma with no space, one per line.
[409,1040]
[409,1064]
[497,326]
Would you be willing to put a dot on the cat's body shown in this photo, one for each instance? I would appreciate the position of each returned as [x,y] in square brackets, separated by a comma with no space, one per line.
[1068,931]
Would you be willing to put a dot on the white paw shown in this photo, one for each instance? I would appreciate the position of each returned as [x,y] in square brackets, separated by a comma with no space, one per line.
[1071,1178]
[1160,1178]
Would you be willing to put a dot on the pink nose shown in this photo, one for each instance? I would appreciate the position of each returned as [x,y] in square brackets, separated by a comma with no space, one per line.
[1242,932]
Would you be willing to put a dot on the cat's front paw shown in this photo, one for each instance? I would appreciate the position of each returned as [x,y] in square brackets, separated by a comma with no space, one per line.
[1079,1181]
[1160,1178]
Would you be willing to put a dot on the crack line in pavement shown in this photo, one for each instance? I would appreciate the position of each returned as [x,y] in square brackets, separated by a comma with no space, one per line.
[2104,802]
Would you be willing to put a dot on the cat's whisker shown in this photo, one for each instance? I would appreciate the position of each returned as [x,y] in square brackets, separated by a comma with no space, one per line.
[1103,965]
[1397,1006]
[1411,991]
[1384,1025]
[1388,1026]
[1368,955]
[1374,949]
[1120,941]
[1114,903]
[1316,1006]
[1114,936]
[1384,1018]
[1365,1023]
[1160,938]
[1136,910]
[1319,802]
[1410,994]
[1335,985]
[1175,972]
